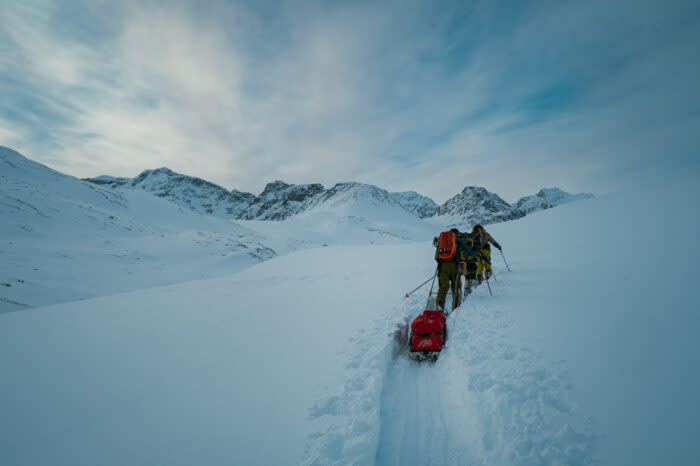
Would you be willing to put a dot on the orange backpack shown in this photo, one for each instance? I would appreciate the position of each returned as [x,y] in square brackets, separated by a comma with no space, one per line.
[447,247]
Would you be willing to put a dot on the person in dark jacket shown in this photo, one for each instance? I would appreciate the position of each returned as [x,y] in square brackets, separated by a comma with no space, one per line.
[449,272]
[470,262]
[483,238]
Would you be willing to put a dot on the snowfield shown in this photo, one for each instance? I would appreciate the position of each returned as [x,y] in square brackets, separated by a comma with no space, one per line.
[63,239]
[207,372]
[586,354]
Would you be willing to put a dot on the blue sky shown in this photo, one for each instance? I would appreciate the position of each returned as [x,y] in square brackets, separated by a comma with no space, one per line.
[408,95]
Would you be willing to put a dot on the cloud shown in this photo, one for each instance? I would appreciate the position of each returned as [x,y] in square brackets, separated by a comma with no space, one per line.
[400,94]
[158,91]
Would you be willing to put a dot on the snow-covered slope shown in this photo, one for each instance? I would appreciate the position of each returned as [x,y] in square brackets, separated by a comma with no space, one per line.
[586,289]
[115,235]
[186,191]
[547,198]
[413,202]
[342,193]
[347,213]
[475,205]
[222,371]
[280,200]
[563,365]
[65,239]
[582,356]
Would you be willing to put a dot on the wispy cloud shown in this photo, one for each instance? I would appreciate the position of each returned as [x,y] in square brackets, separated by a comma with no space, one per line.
[406,95]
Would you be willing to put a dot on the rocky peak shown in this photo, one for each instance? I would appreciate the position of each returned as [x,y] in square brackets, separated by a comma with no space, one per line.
[477,205]
[274,187]
[280,200]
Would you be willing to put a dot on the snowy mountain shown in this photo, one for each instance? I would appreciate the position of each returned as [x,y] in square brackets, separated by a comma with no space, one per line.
[280,200]
[186,191]
[343,193]
[413,202]
[475,205]
[347,213]
[65,239]
[547,198]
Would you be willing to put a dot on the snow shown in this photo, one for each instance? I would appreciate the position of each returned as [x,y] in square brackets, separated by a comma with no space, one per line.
[349,213]
[198,373]
[609,288]
[280,200]
[586,354]
[63,239]
[186,191]
[547,198]
[413,202]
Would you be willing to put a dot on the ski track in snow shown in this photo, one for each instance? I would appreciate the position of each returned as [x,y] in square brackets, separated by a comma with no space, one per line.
[484,402]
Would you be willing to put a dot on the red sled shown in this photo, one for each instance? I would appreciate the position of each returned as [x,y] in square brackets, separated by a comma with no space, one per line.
[428,335]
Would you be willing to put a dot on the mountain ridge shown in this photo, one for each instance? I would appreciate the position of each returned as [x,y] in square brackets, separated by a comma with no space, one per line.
[280,200]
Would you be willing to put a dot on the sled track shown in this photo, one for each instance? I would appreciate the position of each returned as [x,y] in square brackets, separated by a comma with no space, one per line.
[483,402]
[413,429]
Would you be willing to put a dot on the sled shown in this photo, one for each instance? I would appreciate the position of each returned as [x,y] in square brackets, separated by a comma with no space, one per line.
[428,335]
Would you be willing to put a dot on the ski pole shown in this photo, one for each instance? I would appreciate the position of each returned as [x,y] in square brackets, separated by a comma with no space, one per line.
[504,260]
[458,286]
[489,285]
[455,295]
[419,286]
[488,261]
[430,293]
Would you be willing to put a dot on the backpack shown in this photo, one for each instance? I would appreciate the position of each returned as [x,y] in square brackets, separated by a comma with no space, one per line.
[473,240]
[447,247]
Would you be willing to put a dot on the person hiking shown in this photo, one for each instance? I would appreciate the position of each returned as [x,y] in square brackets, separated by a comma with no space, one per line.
[481,243]
[470,262]
[451,251]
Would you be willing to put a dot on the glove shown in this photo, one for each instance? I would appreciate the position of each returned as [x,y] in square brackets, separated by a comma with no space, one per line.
[498,246]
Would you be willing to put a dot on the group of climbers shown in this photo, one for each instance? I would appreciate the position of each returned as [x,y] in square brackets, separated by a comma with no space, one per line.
[460,255]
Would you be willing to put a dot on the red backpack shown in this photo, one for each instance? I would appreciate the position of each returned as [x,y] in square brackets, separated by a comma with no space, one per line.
[447,247]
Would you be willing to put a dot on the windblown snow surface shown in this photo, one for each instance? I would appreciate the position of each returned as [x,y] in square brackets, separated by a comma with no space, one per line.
[587,353]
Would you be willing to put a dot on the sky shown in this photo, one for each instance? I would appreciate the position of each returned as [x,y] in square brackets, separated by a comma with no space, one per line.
[592,96]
